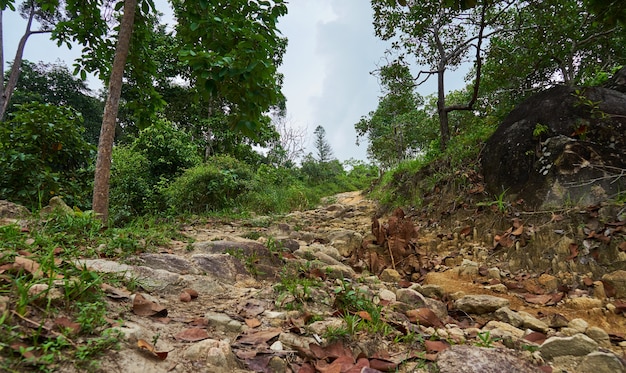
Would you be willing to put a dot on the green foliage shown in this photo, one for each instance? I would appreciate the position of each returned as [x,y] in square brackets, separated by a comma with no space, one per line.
[131,185]
[233,49]
[43,154]
[322,146]
[54,84]
[211,186]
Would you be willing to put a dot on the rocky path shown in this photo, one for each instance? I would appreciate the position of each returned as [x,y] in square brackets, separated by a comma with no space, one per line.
[293,296]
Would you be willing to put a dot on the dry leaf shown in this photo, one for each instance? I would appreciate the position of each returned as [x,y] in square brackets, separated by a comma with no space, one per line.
[192,335]
[538,298]
[435,346]
[573,250]
[115,293]
[364,315]
[29,266]
[260,336]
[64,322]
[424,316]
[622,246]
[253,323]
[144,307]
[147,346]
[518,231]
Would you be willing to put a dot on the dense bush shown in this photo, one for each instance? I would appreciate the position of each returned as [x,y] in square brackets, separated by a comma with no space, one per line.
[43,154]
[211,186]
[131,185]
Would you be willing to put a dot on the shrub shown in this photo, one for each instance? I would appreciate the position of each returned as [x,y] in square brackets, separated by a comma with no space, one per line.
[43,154]
[211,186]
[131,186]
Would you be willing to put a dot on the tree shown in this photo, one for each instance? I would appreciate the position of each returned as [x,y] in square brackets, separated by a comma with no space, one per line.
[107,133]
[46,13]
[233,49]
[55,84]
[289,147]
[561,43]
[441,38]
[322,147]
[398,128]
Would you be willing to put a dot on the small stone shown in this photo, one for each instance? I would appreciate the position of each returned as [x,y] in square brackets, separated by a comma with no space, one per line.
[411,297]
[480,304]
[577,345]
[498,288]
[578,324]
[277,365]
[498,329]
[601,362]
[322,326]
[192,293]
[277,346]
[548,282]
[432,291]
[598,290]
[390,275]
[222,321]
[184,297]
[584,303]
[531,322]
[505,314]
[387,295]
[471,359]
[617,280]
[468,269]
[494,273]
[599,335]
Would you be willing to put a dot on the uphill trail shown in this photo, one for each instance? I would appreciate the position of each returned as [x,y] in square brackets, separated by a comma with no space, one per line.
[295,294]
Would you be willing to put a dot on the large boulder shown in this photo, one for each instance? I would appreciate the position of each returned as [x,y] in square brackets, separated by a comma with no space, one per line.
[565,145]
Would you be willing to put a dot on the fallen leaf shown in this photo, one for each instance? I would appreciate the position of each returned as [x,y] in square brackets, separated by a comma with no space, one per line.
[622,246]
[364,315]
[260,336]
[573,250]
[536,337]
[253,323]
[465,231]
[115,293]
[66,323]
[435,346]
[23,349]
[537,298]
[147,346]
[361,363]
[29,266]
[144,307]
[192,335]
[518,231]
[424,316]
[383,365]
[306,368]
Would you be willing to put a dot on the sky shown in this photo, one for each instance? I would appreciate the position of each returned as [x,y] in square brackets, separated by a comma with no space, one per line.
[331,52]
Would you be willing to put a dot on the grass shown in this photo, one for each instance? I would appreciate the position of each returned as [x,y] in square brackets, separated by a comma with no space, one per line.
[52,312]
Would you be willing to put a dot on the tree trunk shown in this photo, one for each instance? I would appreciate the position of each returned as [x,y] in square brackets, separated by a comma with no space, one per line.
[7,91]
[107,132]
[444,128]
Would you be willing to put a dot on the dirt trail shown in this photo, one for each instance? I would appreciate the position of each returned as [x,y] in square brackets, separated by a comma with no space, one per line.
[235,275]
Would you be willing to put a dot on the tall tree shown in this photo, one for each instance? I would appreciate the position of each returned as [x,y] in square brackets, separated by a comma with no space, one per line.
[398,128]
[47,14]
[322,146]
[107,133]
[440,38]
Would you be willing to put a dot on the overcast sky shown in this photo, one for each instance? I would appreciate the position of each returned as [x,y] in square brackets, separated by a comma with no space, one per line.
[332,49]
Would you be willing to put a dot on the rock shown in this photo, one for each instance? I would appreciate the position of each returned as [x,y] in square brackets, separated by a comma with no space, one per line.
[498,329]
[617,280]
[58,206]
[387,295]
[277,365]
[390,275]
[432,291]
[468,269]
[346,241]
[583,303]
[411,297]
[577,345]
[12,210]
[531,322]
[480,304]
[222,266]
[470,359]
[493,273]
[557,173]
[322,326]
[548,282]
[169,262]
[296,341]
[150,279]
[579,325]
[223,322]
[601,362]
[599,335]
[505,314]
[216,354]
